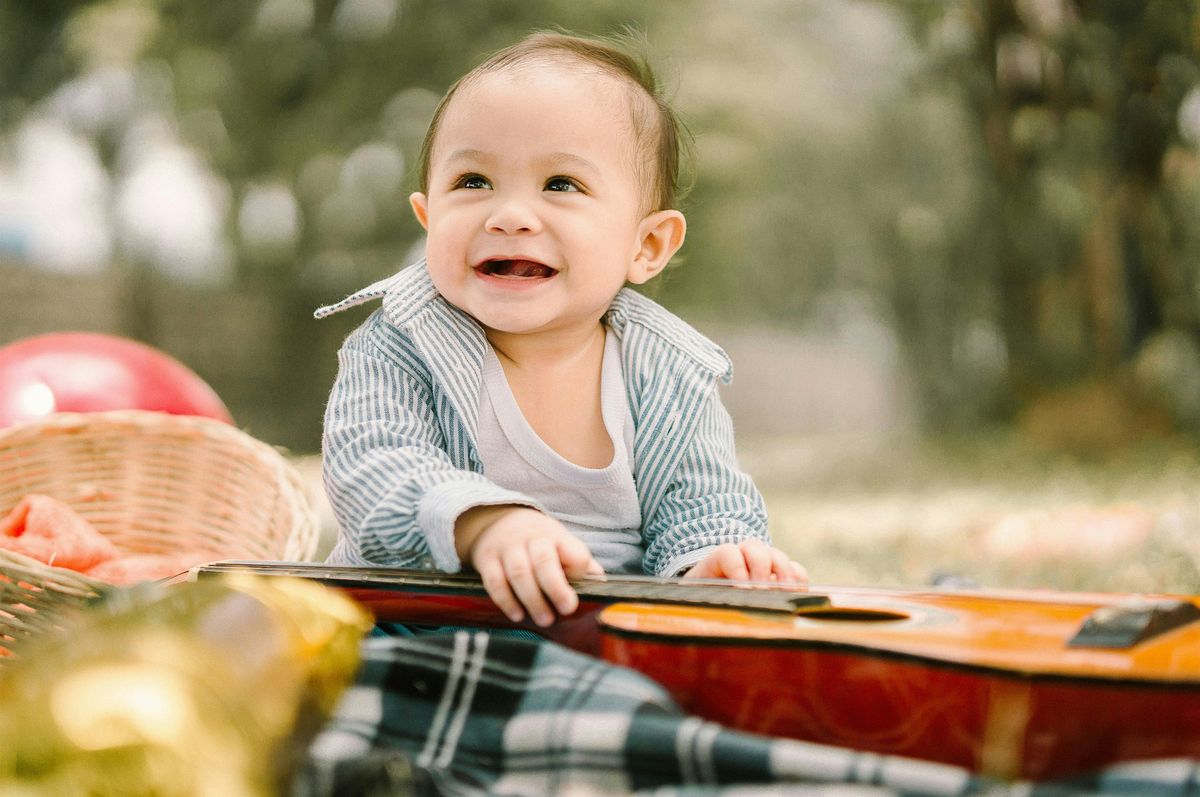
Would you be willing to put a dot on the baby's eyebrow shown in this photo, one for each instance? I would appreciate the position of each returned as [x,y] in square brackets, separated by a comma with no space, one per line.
[467,155]
[559,159]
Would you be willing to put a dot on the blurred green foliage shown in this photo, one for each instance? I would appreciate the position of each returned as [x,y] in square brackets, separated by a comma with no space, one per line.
[1010,186]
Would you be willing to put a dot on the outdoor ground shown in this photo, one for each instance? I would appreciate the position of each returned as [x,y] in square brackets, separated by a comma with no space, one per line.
[991,510]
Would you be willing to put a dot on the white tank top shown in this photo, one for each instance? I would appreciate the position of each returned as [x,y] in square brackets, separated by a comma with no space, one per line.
[598,505]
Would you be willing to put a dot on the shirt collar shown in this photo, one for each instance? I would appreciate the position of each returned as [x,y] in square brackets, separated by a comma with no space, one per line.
[410,294]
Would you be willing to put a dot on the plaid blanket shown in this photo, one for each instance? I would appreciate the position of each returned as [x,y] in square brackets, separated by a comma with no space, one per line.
[473,713]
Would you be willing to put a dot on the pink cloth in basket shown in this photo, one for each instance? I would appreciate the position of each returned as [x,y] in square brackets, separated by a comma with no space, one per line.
[50,531]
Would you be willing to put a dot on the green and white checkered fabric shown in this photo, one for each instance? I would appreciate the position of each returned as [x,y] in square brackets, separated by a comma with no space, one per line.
[471,713]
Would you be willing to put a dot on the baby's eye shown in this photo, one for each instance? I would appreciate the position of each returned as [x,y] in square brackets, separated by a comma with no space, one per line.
[561,184]
[472,181]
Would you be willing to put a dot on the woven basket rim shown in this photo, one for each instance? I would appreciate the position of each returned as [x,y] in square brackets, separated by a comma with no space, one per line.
[37,598]
[38,574]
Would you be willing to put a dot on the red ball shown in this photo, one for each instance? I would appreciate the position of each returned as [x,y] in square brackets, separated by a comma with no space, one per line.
[89,372]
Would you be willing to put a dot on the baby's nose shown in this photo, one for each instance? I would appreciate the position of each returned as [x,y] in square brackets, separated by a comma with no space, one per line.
[513,216]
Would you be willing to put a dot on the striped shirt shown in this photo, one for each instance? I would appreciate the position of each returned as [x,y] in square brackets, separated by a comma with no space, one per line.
[399,447]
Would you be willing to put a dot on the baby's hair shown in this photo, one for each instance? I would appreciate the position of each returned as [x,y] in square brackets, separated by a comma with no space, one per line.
[662,137]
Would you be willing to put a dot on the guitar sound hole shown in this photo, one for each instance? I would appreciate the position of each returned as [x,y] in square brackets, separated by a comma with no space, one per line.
[853,615]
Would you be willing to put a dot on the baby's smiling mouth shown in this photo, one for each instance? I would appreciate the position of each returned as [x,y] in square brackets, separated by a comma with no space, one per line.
[515,269]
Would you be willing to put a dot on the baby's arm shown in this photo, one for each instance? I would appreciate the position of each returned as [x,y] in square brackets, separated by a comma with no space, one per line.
[523,557]
[395,488]
[712,520]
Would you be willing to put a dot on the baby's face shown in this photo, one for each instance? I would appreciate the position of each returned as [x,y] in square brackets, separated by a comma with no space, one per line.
[534,210]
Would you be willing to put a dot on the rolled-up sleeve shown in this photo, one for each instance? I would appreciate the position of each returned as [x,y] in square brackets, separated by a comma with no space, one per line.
[708,502]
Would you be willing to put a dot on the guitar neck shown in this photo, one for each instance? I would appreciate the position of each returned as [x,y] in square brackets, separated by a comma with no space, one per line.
[596,589]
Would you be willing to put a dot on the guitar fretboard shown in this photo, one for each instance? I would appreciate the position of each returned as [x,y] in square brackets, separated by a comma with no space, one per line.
[603,589]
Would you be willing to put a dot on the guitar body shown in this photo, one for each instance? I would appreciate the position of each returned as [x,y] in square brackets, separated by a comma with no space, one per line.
[1001,683]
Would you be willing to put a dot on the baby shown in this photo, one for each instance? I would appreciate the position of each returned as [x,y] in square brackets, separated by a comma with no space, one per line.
[513,406]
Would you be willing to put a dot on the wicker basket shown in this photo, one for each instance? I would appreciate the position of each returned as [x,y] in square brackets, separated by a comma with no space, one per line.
[156,483]
[151,483]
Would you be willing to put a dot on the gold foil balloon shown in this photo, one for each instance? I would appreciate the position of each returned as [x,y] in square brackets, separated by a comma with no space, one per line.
[203,689]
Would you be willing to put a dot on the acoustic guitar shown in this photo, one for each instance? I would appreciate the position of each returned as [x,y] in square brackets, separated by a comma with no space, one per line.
[1009,683]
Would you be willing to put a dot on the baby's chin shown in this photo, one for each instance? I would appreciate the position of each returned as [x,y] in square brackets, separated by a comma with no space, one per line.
[497,324]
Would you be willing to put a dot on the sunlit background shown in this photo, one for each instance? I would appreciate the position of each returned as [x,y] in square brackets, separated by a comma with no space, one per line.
[952,247]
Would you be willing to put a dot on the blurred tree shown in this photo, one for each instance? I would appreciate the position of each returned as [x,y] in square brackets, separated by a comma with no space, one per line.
[1086,233]
[30,62]
[840,191]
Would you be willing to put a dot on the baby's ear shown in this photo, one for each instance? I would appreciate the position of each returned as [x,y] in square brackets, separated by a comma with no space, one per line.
[420,206]
[659,235]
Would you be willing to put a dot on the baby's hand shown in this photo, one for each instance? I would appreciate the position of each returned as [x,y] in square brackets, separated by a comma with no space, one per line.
[751,560]
[524,557]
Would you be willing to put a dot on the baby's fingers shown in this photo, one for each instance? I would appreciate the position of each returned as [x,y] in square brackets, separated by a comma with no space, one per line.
[496,583]
[759,559]
[526,582]
[576,559]
[545,554]
[730,562]
[782,567]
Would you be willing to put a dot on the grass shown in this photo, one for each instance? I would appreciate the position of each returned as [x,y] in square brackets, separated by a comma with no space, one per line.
[991,510]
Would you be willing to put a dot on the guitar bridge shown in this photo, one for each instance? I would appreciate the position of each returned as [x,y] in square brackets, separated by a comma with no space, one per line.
[1130,622]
